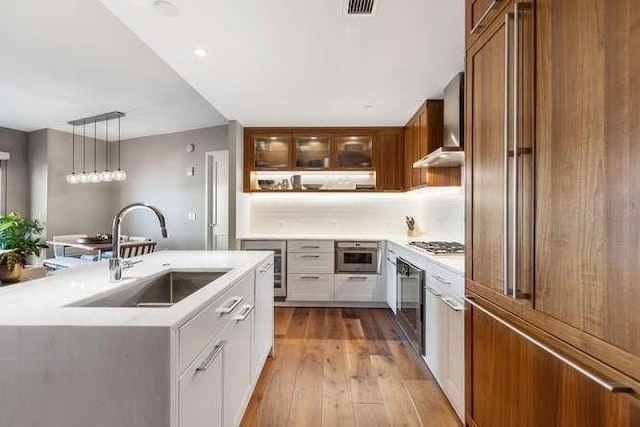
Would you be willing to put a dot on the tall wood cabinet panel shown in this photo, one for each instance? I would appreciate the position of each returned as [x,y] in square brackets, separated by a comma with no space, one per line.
[588,180]
[484,149]
[552,88]
[514,382]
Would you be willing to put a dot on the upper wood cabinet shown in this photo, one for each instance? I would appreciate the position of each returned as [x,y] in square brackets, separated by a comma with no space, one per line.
[375,151]
[422,135]
[312,152]
[388,160]
[480,14]
[269,152]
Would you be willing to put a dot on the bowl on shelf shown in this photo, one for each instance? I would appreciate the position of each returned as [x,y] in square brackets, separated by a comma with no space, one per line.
[313,186]
[266,184]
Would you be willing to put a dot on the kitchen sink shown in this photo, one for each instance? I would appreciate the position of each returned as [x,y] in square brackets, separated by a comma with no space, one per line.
[161,291]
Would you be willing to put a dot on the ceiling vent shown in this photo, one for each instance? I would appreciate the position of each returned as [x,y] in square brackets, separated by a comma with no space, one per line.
[361,7]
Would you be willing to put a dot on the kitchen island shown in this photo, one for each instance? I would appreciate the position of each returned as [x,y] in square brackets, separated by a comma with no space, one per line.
[76,350]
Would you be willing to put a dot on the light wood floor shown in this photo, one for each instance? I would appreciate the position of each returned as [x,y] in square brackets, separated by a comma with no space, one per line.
[344,367]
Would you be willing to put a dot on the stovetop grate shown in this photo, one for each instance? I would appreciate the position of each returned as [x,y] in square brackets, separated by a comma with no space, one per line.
[440,248]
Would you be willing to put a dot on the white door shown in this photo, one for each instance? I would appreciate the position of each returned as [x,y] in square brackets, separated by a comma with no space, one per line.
[201,395]
[237,364]
[263,328]
[217,200]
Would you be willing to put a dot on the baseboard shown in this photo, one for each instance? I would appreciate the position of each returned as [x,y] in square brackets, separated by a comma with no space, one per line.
[331,304]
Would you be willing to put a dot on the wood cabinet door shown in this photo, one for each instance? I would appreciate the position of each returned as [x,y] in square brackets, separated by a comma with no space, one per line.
[485,157]
[388,160]
[587,156]
[513,382]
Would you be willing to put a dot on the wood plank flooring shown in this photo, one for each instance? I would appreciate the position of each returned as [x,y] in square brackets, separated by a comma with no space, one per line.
[344,367]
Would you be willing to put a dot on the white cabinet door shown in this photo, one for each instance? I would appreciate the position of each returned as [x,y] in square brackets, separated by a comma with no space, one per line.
[391,281]
[310,287]
[201,389]
[358,288]
[237,364]
[307,262]
[263,327]
[453,372]
[435,323]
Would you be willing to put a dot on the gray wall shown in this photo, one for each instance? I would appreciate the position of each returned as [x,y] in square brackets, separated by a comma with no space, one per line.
[64,208]
[15,143]
[156,169]
[81,208]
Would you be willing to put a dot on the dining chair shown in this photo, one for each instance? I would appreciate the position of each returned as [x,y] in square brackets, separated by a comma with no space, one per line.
[131,249]
[65,257]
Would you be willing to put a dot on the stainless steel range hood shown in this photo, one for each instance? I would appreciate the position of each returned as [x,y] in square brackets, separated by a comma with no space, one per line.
[451,154]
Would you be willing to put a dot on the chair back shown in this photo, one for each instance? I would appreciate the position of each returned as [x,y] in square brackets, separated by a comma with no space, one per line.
[60,251]
[131,249]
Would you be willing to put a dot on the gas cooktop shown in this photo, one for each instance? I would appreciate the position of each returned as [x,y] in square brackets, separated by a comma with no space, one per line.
[440,248]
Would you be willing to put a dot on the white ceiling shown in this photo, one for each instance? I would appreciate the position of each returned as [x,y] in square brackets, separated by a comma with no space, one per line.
[303,62]
[67,59]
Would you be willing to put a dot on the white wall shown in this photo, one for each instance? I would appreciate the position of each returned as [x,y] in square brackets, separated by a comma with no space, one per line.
[439,211]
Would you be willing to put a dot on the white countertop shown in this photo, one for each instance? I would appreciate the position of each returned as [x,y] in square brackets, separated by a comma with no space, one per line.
[44,301]
[453,262]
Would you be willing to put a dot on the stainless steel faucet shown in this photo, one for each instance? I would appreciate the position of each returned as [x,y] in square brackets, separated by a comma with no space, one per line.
[116,263]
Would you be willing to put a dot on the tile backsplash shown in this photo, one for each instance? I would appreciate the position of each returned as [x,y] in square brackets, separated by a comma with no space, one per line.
[439,211]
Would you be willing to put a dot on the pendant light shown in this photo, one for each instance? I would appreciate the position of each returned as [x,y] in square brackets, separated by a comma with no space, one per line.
[106,175]
[94,177]
[72,178]
[83,178]
[119,174]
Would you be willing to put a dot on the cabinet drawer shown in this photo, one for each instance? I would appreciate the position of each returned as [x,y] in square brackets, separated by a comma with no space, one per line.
[194,335]
[358,287]
[310,246]
[310,287]
[307,262]
[445,281]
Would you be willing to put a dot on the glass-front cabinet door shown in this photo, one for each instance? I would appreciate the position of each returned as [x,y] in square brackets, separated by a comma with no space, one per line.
[354,152]
[312,152]
[271,152]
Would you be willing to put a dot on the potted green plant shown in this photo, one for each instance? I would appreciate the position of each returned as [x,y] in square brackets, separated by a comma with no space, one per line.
[19,239]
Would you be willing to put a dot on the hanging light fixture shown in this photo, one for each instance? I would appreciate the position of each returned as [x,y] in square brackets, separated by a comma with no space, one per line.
[119,174]
[106,175]
[83,178]
[72,178]
[94,177]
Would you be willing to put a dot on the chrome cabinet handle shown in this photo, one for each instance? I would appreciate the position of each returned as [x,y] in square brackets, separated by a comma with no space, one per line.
[611,386]
[505,237]
[440,279]
[309,256]
[244,314]
[266,268]
[310,277]
[209,360]
[449,302]
[516,153]
[309,247]
[484,16]
[357,278]
[433,291]
[230,305]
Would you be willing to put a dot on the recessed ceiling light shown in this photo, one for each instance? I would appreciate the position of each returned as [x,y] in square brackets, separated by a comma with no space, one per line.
[199,52]
[165,8]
